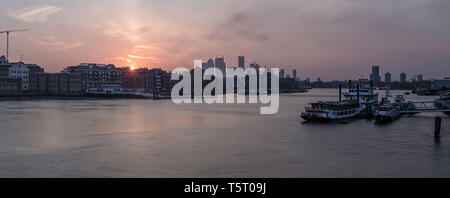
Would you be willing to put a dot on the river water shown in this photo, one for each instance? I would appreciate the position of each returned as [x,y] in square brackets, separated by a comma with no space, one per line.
[145,138]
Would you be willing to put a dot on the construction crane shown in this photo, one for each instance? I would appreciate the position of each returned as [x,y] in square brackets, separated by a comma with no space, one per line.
[7,39]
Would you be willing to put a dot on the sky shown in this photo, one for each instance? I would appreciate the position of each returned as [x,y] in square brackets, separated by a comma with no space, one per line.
[331,39]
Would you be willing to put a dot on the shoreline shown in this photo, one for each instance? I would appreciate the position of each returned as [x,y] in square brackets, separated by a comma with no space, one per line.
[91,97]
[25,98]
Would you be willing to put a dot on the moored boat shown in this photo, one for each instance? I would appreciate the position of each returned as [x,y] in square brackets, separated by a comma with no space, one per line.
[443,102]
[328,111]
[404,106]
[387,112]
[365,96]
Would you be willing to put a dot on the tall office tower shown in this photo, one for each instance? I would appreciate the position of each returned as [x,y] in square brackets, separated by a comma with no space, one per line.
[220,64]
[255,66]
[375,76]
[294,74]
[241,62]
[209,64]
[387,77]
[281,73]
[420,77]
[403,78]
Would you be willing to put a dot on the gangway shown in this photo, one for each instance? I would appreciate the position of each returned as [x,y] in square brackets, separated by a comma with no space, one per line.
[424,106]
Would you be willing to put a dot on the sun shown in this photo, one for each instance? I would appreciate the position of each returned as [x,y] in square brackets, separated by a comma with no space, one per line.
[132,68]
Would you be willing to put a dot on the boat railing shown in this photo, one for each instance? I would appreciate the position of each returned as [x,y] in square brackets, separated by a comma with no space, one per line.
[360,93]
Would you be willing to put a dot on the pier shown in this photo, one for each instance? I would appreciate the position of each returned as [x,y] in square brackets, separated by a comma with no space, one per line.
[424,106]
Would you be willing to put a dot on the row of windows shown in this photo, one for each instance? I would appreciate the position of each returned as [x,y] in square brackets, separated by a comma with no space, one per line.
[23,77]
[361,90]
[346,112]
[19,72]
[5,87]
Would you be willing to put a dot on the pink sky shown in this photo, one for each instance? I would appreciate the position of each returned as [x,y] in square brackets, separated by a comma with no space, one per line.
[327,39]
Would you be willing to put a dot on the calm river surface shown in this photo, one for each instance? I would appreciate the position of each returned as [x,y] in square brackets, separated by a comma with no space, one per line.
[145,138]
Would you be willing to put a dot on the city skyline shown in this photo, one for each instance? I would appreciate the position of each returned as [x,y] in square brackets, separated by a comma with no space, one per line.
[309,36]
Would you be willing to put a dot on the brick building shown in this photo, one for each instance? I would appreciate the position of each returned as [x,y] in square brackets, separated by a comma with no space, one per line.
[57,84]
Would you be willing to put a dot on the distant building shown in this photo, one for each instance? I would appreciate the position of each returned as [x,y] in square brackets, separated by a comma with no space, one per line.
[255,66]
[135,79]
[287,85]
[364,82]
[241,62]
[56,84]
[442,83]
[19,70]
[209,64]
[158,81]
[403,78]
[4,71]
[98,75]
[294,74]
[281,73]
[3,60]
[375,75]
[420,77]
[220,64]
[10,86]
[387,77]
[151,81]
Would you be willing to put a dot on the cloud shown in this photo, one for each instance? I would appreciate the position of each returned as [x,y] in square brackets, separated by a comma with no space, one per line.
[240,26]
[31,14]
[54,44]
[144,47]
[129,30]
[139,57]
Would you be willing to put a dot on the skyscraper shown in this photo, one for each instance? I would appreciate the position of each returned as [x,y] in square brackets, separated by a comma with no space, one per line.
[294,74]
[220,64]
[255,66]
[403,78]
[241,62]
[375,76]
[282,73]
[420,77]
[209,64]
[387,77]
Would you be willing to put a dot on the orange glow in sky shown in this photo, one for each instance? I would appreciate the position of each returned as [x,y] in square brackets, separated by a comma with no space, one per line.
[327,39]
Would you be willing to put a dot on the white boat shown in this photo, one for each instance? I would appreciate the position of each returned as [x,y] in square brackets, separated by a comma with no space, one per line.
[407,106]
[328,111]
[366,96]
[387,112]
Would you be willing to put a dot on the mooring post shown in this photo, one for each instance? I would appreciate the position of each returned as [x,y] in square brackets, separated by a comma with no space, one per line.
[437,127]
